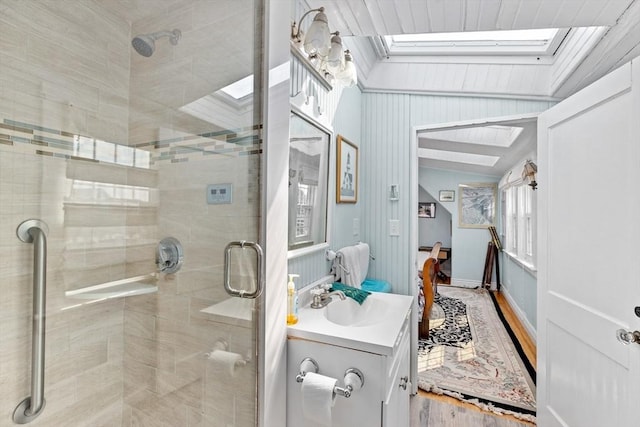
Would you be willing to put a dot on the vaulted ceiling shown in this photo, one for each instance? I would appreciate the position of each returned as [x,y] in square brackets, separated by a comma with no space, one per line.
[584,56]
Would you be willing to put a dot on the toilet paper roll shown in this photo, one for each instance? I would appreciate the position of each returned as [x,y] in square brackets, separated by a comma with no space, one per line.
[226,361]
[318,398]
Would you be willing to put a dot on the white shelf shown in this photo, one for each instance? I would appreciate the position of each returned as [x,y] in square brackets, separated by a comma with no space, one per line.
[139,285]
[232,311]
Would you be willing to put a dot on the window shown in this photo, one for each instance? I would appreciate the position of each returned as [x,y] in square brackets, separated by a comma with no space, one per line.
[518,218]
[306,201]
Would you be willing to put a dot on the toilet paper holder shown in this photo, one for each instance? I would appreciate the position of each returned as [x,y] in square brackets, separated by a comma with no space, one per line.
[353,377]
[222,345]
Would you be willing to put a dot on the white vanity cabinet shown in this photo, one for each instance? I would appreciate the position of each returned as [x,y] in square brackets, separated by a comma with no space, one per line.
[395,411]
[384,398]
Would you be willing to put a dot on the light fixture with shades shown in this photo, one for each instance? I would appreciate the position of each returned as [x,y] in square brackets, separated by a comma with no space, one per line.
[529,173]
[324,49]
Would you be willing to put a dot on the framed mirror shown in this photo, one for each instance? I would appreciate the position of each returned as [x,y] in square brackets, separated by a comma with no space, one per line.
[309,145]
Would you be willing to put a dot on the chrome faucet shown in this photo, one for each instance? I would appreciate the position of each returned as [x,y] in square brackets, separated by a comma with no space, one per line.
[322,296]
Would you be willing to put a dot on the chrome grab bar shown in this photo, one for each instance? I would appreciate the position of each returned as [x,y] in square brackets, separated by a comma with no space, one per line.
[35,231]
[340,258]
[227,267]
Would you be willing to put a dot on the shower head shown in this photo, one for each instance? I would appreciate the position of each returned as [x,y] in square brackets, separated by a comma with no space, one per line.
[145,44]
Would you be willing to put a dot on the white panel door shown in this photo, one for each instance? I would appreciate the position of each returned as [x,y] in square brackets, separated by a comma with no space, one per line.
[589,255]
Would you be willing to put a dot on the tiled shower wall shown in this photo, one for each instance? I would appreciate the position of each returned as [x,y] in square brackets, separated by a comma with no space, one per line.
[74,81]
[112,170]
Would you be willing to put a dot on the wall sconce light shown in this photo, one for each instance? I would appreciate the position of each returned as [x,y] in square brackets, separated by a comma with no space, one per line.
[324,49]
[348,76]
[529,173]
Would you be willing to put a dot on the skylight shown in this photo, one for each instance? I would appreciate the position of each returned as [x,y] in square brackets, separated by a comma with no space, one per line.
[240,88]
[244,87]
[514,42]
[497,136]
[458,157]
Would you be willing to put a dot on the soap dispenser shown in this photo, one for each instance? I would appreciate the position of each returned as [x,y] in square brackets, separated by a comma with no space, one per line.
[292,301]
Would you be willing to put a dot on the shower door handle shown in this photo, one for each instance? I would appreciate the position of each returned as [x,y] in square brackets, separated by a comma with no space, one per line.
[35,231]
[242,244]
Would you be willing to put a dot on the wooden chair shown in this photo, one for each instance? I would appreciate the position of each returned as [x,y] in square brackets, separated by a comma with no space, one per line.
[428,281]
[435,251]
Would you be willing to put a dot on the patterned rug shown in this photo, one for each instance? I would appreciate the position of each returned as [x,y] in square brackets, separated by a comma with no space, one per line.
[470,355]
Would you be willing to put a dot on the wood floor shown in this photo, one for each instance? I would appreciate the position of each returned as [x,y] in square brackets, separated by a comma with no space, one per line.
[430,410]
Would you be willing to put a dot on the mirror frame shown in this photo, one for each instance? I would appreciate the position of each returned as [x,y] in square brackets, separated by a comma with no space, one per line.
[321,246]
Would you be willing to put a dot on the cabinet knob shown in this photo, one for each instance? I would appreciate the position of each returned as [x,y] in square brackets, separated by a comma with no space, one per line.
[626,337]
[403,382]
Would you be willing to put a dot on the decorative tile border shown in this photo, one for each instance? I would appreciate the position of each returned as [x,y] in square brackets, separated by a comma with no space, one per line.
[61,144]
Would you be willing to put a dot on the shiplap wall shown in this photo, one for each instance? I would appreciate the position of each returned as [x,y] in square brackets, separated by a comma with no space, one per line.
[384,143]
[387,122]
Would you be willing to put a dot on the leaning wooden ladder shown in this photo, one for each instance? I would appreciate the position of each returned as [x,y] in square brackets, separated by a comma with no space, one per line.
[493,251]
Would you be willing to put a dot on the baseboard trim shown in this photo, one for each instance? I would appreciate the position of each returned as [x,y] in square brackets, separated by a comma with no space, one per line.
[465,283]
[520,314]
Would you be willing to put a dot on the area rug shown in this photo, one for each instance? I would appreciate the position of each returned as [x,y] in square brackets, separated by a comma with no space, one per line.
[471,356]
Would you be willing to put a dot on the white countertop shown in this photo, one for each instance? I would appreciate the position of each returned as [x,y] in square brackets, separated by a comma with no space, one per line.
[380,337]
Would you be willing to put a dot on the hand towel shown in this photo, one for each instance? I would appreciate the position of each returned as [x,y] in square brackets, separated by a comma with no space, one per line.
[363,253]
[349,258]
[357,295]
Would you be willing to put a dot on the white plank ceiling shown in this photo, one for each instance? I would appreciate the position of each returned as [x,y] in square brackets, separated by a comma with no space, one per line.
[581,59]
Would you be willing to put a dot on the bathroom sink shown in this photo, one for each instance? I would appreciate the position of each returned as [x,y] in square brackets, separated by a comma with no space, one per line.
[348,312]
[372,327]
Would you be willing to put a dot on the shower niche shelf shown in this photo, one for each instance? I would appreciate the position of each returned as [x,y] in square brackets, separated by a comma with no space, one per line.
[131,286]
[232,311]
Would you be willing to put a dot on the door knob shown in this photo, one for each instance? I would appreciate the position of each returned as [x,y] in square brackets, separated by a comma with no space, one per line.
[626,337]
[403,382]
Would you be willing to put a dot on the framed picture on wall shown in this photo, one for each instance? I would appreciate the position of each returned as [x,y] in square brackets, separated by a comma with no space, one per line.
[477,205]
[447,196]
[346,171]
[426,210]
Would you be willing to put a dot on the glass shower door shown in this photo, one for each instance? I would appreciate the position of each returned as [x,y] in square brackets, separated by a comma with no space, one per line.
[123,124]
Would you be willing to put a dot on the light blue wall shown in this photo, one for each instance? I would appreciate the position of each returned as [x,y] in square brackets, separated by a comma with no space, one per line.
[518,282]
[432,230]
[386,158]
[521,286]
[381,125]
[348,123]
[468,245]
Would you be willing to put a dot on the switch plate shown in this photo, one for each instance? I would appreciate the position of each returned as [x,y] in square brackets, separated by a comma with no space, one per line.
[394,227]
[219,194]
[356,226]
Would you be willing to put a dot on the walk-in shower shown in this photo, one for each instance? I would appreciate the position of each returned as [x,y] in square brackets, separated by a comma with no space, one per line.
[145,44]
[95,143]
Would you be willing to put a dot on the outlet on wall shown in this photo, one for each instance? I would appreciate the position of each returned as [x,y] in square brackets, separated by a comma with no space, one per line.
[394,227]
